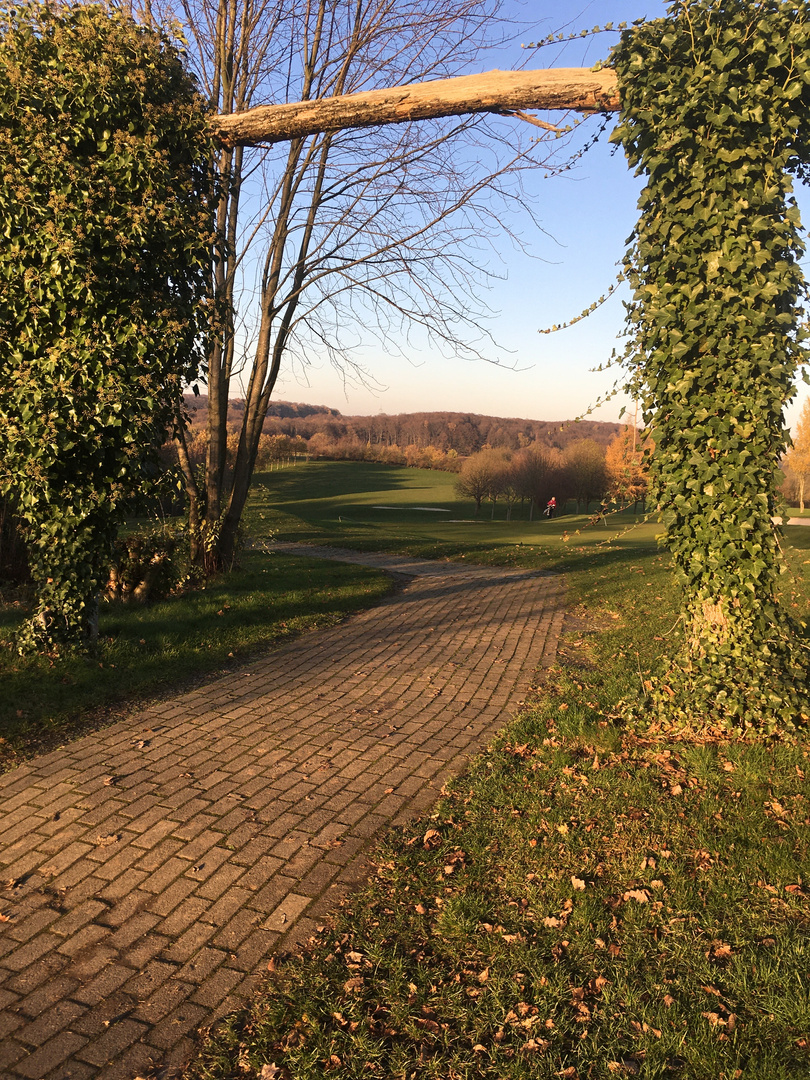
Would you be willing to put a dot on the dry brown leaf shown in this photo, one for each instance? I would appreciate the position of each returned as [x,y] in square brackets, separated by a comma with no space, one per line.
[484,976]
[107,839]
[534,1045]
[578,884]
[641,896]
[354,957]
[432,838]
[355,985]
[269,1072]
[669,1000]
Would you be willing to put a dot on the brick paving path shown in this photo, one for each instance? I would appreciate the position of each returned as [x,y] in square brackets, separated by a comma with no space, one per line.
[148,870]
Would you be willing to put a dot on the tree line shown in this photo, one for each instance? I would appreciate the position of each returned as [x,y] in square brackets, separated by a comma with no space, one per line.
[464,432]
[497,460]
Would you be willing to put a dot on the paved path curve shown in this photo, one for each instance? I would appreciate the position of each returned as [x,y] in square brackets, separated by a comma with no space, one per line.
[148,870]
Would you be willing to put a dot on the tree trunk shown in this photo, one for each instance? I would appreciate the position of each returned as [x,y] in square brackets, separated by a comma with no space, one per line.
[501,92]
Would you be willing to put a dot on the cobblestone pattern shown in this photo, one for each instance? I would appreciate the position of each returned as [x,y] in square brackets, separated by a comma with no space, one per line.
[149,870]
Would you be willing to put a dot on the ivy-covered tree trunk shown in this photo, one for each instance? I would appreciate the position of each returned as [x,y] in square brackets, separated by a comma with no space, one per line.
[715,114]
[106,226]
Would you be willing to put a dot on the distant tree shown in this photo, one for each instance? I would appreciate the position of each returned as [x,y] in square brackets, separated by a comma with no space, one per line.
[587,474]
[502,483]
[797,458]
[626,468]
[104,214]
[480,475]
[539,476]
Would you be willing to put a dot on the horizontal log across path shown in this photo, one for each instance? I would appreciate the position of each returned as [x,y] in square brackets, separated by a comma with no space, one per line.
[500,92]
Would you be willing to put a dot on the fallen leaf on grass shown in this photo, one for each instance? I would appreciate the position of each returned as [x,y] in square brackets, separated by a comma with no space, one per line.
[535,1045]
[719,951]
[432,838]
[427,1025]
[716,1020]
[644,1028]
[269,1072]
[578,884]
[641,896]
[355,985]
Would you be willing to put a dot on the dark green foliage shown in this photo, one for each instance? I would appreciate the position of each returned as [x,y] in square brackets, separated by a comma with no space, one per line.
[105,225]
[715,107]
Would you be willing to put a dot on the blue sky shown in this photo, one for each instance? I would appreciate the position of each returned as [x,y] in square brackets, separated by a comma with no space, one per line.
[586,215]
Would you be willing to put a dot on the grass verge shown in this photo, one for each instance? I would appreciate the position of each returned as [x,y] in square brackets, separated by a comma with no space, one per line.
[585,902]
[159,648]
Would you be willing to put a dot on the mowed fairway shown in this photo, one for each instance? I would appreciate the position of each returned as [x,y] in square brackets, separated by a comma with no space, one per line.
[416,511]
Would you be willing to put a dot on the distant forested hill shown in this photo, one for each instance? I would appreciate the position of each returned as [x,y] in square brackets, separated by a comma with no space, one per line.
[465,433]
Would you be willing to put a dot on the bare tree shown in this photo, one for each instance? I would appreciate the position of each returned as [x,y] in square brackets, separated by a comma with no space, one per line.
[383,229]
[585,464]
[480,476]
[539,476]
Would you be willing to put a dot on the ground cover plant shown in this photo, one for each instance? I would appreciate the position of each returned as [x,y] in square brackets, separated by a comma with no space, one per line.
[142,651]
[591,900]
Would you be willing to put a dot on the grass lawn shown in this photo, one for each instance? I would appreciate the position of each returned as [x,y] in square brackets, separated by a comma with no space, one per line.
[372,507]
[587,901]
[157,649]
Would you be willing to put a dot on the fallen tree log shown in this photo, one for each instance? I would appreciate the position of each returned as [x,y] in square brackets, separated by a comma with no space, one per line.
[502,92]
